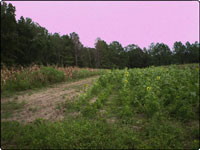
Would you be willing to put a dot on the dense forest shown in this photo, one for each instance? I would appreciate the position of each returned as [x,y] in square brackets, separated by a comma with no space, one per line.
[24,42]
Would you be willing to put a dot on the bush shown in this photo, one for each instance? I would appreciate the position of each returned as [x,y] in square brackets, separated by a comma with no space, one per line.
[52,75]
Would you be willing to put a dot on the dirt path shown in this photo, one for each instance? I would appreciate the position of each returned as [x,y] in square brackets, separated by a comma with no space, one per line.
[45,103]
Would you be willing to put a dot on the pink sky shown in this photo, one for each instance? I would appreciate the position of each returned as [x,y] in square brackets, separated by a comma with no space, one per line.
[127,22]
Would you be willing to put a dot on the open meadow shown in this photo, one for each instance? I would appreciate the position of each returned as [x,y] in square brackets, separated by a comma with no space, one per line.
[48,107]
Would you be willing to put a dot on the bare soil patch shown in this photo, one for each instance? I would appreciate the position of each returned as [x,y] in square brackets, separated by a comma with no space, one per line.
[93,100]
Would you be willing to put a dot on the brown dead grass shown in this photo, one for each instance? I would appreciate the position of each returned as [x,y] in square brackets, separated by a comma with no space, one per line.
[93,100]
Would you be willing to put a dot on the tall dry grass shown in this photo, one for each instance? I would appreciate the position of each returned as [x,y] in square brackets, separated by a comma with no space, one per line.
[37,73]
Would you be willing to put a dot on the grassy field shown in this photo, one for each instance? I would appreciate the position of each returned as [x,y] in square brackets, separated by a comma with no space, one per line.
[151,108]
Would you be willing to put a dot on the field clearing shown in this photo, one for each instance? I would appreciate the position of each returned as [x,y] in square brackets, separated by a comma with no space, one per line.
[151,108]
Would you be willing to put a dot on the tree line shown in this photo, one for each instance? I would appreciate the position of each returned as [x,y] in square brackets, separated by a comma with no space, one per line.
[24,42]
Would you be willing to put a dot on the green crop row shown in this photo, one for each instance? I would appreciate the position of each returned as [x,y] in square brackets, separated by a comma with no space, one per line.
[171,91]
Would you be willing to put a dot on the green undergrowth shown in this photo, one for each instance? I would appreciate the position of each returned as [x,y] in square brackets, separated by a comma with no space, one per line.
[45,76]
[8,108]
[151,108]
[81,133]
[35,79]
[84,73]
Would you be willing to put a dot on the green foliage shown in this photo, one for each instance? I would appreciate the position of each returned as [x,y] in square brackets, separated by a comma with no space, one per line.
[52,75]
[70,134]
[8,108]
[163,135]
[152,108]
[84,73]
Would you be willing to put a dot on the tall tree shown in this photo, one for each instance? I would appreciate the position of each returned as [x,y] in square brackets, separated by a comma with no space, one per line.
[117,55]
[135,56]
[77,45]
[67,53]
[160,53]
[192,51]
[8,34]
[102,54]
[179,52]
